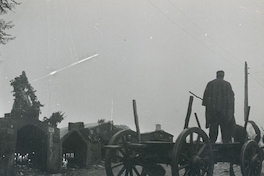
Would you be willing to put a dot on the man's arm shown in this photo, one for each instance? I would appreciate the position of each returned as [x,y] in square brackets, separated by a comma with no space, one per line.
[205,96]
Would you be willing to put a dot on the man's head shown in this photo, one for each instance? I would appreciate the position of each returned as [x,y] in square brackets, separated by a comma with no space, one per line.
[220,74]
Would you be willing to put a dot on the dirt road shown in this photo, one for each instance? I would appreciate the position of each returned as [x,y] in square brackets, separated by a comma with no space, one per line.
[220,169]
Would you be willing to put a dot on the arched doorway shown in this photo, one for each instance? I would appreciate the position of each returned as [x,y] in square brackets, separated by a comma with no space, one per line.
[74,149]
[31,147]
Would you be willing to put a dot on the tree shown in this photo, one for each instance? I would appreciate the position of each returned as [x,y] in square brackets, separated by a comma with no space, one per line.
[26,103]
[54,119]
[5,7]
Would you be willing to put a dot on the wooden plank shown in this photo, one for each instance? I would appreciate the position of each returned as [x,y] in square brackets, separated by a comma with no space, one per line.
[246,94]
[136,120]
[227,152]
[197,120]
[189,110]
[112,146]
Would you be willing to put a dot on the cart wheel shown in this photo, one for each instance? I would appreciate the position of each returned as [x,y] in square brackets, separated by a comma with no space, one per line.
[192,154]
[121,160]
[251,159]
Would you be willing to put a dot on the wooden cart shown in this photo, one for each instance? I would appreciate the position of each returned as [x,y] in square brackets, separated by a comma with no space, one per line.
[192,154]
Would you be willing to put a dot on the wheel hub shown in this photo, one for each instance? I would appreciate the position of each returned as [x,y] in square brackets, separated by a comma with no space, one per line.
[254,160]
[196,160]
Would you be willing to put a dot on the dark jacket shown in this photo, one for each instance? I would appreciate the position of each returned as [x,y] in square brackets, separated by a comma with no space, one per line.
[219,101]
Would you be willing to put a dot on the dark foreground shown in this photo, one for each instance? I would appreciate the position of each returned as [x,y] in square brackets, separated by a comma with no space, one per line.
[220,169]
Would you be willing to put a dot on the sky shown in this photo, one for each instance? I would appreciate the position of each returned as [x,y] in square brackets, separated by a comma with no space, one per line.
[91,58]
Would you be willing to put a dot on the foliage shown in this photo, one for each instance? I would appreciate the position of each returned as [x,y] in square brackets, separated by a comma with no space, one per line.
[101,121]
[26,103]
[4,37]
[5,7]
[54,119]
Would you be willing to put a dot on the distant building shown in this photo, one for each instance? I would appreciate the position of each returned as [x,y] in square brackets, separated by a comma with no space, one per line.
[82,143]
[157,135]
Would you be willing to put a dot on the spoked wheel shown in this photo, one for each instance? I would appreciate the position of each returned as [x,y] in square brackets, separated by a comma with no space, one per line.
[251,159]
[192,154]
[120,159]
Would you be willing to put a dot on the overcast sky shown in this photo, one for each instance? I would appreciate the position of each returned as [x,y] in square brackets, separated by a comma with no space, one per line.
[152,51]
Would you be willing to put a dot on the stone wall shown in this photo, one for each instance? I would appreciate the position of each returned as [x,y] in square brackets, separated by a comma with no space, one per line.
[7,148]
[54,150]
[96,152]
[9,128]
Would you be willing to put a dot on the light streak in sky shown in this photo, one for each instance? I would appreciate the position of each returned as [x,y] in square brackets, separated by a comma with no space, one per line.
[73,64]
[98,29]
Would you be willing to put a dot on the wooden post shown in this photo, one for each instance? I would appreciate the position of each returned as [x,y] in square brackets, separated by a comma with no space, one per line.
[197,120]
[246,107]
[187,119]
[246,93]
[246,121]
[136,120]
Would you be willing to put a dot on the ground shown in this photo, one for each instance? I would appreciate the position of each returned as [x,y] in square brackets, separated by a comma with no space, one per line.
[220,169]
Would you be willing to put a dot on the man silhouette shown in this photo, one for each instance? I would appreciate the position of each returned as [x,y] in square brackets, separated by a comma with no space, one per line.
[219,102]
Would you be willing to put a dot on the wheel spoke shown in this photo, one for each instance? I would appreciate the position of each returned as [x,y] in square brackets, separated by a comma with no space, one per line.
[254,150]
[249,173]
[143,172]
[117,165]
[191,138]
[201,150]
[122,152]
[247,168]
[197,172]
[131,172]
[123,139]
[203,172]
[128,138]
[204,169]
[121,171]
[192,146]
[183,167]
[198,142]
[187,172]
[136,171]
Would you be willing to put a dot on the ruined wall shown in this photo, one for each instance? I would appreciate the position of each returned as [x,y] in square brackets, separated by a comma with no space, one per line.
[75,142]
[54,150]
[7,148]
[89,155]
[9,128]
[96,152]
